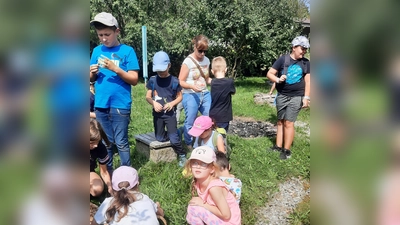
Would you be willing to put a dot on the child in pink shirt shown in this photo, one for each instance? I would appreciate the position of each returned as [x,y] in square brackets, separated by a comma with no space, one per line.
[214,203]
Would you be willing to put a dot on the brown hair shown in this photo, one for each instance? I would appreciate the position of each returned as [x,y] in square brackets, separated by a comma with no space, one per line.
[122,199]
[200,42]
[222,161]
[218,64]
[97,133]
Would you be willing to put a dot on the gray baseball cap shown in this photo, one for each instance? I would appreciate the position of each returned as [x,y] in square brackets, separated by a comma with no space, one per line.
[106,19]
[302,41]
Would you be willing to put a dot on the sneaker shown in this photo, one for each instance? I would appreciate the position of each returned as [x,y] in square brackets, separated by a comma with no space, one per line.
[275,149]
[285,154]
[182,160]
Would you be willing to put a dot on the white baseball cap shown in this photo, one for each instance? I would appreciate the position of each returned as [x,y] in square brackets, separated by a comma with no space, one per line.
[302,41]
[106,19]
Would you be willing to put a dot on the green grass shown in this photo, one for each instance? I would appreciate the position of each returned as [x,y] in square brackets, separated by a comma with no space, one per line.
[259,170]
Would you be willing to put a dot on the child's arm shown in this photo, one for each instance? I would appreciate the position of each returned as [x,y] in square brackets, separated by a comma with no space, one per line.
[221,144]
[160,211]
[170,105]
[106,177]
[272,76]
[306,101]
[272,88]
[157,106]
[131,77]
[221,208]
[94,70]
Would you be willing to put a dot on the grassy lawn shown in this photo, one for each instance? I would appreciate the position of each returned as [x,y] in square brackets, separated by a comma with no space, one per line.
[260,171]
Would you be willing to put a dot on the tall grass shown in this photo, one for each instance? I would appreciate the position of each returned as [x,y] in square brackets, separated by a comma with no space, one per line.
[260,171]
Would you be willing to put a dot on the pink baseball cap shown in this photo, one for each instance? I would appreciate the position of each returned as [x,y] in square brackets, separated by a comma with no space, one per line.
[204,154]
[201,124]
[124,173]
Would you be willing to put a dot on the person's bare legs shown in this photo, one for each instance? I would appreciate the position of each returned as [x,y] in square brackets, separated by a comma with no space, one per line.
[96,184]
[279,133]
[288,134]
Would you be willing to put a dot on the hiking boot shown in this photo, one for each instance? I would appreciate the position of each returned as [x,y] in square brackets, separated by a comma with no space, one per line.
[285,154]
[275,148]
[182,160]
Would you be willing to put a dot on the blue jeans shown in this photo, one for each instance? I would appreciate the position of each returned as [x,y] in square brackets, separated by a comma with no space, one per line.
[115,124]
[192,103]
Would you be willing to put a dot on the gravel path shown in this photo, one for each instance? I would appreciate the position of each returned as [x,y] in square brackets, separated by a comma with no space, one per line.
[277,210]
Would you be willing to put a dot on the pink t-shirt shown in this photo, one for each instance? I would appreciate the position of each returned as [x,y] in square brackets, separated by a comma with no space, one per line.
[233,205]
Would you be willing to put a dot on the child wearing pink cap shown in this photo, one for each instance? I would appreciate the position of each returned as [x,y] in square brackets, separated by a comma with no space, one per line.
[215,204]
[203,130]
[128,206]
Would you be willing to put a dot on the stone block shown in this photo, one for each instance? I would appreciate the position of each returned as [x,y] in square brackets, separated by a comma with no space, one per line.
[154,150]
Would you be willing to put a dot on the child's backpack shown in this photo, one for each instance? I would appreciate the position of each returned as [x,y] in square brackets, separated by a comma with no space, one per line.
[221,131]
[286,64]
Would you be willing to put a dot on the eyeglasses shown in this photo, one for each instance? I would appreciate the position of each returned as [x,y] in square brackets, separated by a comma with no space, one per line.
[197,164]
[202,51]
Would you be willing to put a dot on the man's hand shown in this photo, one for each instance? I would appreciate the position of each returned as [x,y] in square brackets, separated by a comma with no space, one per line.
[306,103]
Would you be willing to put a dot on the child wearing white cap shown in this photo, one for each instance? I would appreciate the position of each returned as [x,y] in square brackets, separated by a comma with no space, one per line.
[114,69]
[215,204]
[128,206]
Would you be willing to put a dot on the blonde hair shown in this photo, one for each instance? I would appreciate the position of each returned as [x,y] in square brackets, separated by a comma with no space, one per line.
[218,64]
[189,173]
[97,133]
[200,42]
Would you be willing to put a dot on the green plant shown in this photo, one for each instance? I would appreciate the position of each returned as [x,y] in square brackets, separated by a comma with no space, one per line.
[260,171]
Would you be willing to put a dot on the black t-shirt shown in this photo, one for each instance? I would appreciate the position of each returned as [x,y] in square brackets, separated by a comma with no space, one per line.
[98,154]
[221,99]
[294,84]
[165,90]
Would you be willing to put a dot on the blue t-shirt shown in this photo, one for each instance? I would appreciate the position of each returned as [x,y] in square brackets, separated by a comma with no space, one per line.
[111,90]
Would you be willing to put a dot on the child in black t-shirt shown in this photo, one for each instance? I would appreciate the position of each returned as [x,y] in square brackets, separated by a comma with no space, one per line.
[98,153]
[222,89]
[164,93]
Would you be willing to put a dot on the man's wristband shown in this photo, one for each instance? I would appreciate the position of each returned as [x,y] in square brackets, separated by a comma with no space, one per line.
[277,80]
[307,97]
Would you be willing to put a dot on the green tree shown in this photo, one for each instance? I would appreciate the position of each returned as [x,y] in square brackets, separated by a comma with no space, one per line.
[250,34]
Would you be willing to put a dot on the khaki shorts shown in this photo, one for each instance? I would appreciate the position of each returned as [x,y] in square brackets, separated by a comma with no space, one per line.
[288,107]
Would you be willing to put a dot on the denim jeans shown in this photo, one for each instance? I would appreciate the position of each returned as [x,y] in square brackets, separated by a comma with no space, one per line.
[115,124]
[192,103]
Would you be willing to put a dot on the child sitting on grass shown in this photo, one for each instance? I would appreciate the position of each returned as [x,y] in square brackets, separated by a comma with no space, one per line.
[234,184]
[128,205]
[215,204]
